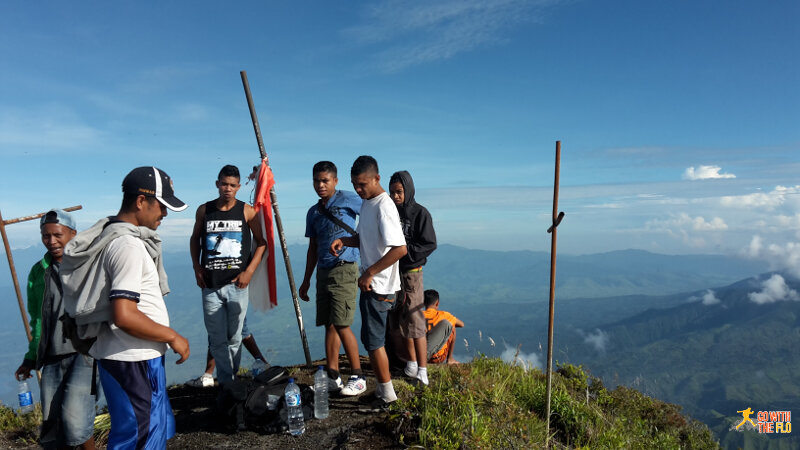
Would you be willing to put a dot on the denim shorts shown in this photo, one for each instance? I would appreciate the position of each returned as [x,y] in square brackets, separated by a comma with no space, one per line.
[245,331]
[67,401]
[374,309]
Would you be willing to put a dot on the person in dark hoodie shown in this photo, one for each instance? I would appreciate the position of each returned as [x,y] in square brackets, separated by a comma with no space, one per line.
[421,242]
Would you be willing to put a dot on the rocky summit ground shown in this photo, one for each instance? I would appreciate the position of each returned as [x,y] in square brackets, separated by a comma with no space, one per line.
[199,425]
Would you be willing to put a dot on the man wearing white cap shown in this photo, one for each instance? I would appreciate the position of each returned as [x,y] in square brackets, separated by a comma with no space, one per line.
[66,386]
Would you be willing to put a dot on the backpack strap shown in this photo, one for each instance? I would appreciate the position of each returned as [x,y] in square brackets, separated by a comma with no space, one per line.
[327,213]
[94,378]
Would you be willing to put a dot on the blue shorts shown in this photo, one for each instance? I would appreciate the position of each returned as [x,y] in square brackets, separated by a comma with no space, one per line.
[136,391]
[374,309]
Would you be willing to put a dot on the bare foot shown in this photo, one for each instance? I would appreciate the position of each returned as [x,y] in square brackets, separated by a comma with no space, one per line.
[452,361]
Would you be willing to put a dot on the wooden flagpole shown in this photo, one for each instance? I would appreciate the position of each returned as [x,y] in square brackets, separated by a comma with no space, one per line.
[557,217]
[278,222]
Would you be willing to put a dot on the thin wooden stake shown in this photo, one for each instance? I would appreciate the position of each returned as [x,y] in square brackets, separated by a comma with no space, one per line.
[557,217]
[278,222]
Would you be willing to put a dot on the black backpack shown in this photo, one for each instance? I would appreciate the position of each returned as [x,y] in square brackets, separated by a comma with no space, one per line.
[244,402]
[270,382]
[230,404]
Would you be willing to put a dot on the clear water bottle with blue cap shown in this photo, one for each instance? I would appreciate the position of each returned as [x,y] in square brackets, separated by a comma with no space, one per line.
[258,367]
[25,397]
[294,409]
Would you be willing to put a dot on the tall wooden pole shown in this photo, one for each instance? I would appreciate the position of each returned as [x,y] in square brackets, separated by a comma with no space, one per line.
[278,222]
[557,217]
[13,268]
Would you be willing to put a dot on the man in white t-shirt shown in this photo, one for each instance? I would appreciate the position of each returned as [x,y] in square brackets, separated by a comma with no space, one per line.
[130,352]
[381,243]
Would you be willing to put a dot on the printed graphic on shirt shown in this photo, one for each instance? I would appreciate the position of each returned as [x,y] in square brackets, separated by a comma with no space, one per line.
[333,230]
[223,244]
[406,224]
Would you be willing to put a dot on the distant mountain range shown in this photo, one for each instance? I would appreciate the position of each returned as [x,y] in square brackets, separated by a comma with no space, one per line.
[714,356]
[521,276]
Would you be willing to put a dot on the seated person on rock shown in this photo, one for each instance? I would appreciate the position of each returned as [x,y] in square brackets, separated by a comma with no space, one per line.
[441,334]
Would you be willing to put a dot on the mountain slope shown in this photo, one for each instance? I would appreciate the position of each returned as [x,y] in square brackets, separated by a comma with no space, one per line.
[714,359]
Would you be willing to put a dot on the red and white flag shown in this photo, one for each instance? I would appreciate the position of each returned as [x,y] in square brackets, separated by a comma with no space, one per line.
[263,292]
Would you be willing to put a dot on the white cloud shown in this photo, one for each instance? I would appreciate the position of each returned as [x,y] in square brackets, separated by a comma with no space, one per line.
[780,257]
[758,200]
[754,249]
[787,255]
[606,206]
[174,230]
[513,355]
[598,339]
[784,222]
[769,201]
[684,221]
[716,224]
[705,173]
[709,298]
[419,32]
[773,290]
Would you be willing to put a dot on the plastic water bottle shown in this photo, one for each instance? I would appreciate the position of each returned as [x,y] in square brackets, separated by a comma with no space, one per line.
[294,409]
[25,397]
[321,394]
[258,367]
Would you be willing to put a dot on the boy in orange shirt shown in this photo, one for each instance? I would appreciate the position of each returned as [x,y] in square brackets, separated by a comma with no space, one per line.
[441,333]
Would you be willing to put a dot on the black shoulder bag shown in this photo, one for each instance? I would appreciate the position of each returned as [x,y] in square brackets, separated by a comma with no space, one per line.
[327,213]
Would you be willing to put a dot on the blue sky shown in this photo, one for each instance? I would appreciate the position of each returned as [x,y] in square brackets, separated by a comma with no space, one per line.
[678,120]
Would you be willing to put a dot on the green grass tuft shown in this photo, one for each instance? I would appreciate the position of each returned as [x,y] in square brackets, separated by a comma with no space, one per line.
[21,429]
[490,404]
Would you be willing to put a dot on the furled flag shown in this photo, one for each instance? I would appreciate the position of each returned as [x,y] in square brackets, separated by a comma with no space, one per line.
[263,291]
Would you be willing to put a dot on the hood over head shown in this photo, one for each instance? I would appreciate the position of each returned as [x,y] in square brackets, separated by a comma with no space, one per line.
[408,186]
